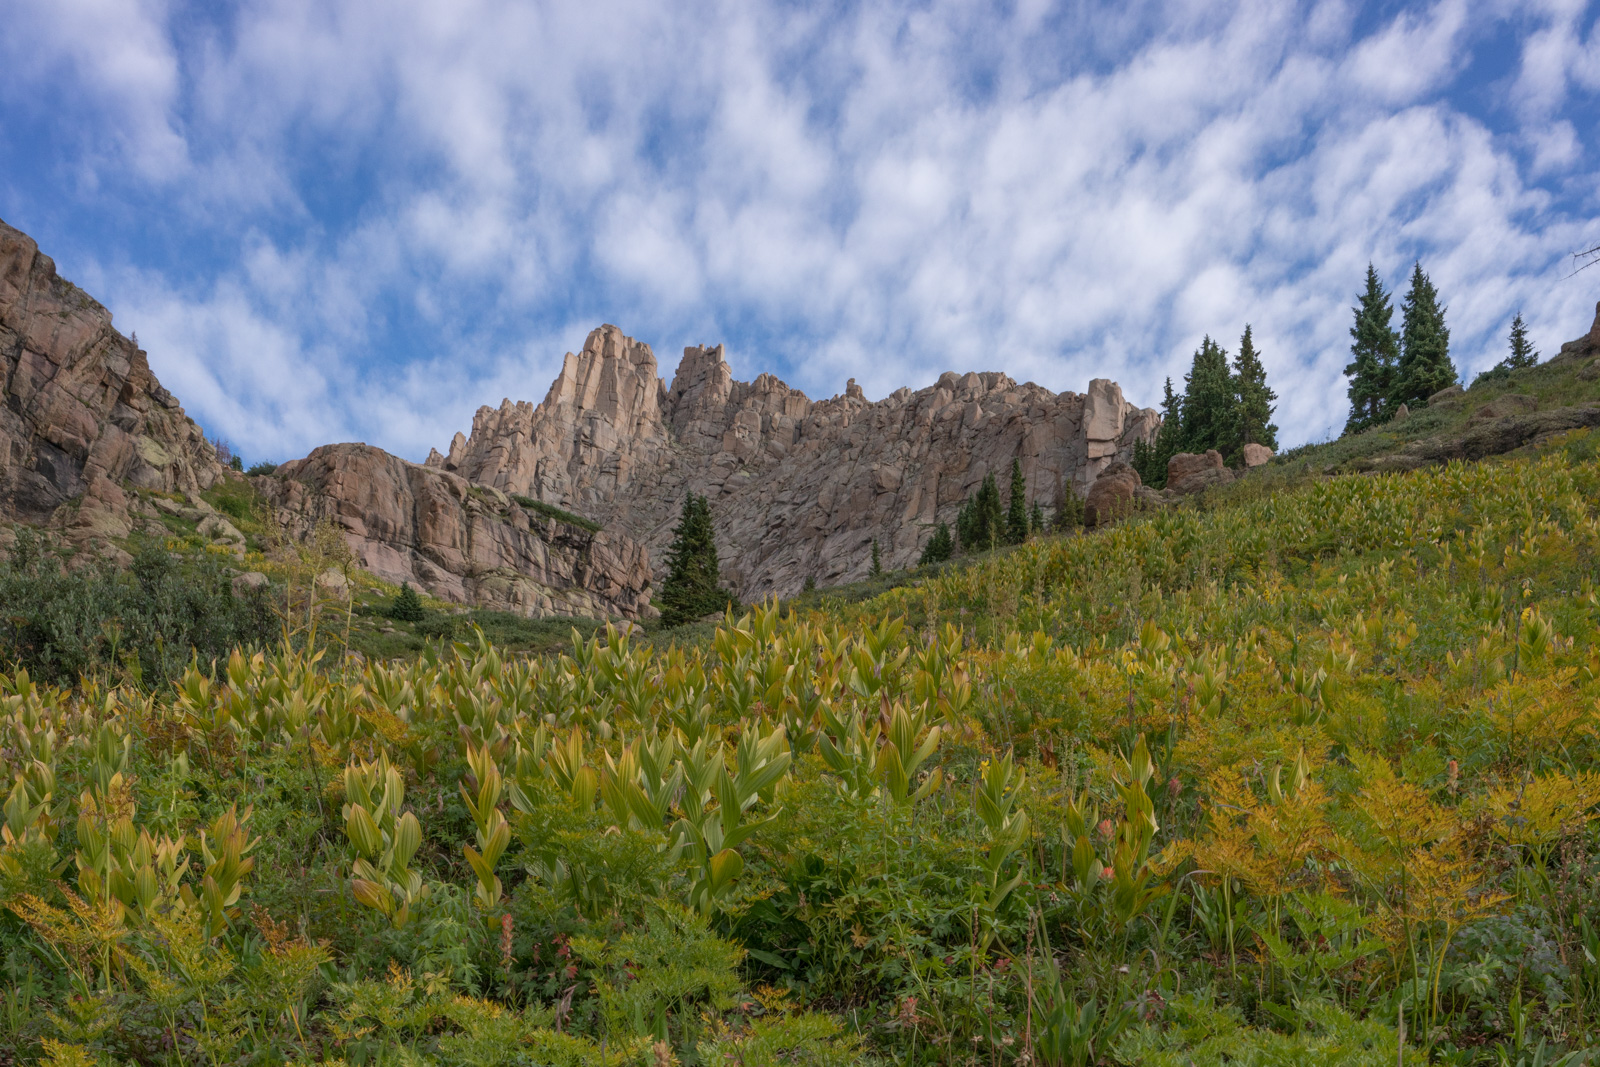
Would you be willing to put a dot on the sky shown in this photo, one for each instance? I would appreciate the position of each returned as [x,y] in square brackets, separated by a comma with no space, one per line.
[335,220]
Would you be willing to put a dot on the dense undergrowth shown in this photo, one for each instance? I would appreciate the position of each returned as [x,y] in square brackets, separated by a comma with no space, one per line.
[1308,778]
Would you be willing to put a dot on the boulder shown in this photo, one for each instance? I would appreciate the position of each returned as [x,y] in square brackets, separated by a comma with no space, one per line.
[246,583]
[1401,413]
[1254,455]
[214,527]
[1111,496]
[1189,473]
[1147,499]
[1446,395]
[1183,464]
[333,582]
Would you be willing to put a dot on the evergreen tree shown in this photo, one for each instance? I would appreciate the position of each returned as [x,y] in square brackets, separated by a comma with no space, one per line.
[1375,349]
[1168,443]
[811,584]
[1069,510]
[1252,399]
[407,606]
[1017,510]
[877,560]
[1425,366]
[1523,353]
[1036,519]
[939,547]
[690,590]
[982,523]
[1208,403]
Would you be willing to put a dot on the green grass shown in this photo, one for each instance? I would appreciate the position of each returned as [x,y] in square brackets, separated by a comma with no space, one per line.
[550,511]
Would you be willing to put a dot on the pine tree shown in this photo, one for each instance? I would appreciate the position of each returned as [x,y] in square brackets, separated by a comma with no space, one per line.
[982,523]
[877,560]
[1069,510]
[939,547]
[1036,519]
[690,590]
[1017,510]
[1376,351]
[1208,402]
[407,606]
[1425,366]
[1252,399]
[1523,353]
[1168,442]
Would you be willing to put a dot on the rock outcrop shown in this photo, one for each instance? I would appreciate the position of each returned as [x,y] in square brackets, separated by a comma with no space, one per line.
[799,488]
[1585,347]
[82,416]
[1253,455]
[460,542]
[1112,495]
[1189,472]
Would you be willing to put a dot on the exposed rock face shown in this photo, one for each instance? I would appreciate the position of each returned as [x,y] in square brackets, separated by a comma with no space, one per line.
[1585,347]
[1112,494]
[1189,473]
[1255,455]
[798,488]
[81,415]
[1501,406]
[413,523]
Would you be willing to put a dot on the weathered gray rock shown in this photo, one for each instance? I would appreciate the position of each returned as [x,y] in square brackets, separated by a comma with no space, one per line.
[81,415]
[468,544]
[798,488]
[1112,495]
[216,528]
[1445,396]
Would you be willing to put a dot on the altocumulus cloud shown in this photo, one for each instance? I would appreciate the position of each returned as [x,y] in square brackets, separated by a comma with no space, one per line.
[332,219]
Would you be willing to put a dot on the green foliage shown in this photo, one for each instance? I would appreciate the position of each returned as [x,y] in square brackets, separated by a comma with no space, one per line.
[875,570]
[940,547]
[550,511]
[1208,415]
[690,590]
[1150,459]
[261,467]
[1425,366]
[1375,348]
[407,605]
[146,623]
[1522,355]
[981,523]
[1069,509]
[1253,399]
[1017,507]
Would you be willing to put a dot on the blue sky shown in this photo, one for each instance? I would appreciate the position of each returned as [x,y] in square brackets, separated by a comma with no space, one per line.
[344,220]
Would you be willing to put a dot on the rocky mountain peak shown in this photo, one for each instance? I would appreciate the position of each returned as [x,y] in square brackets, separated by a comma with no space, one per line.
[799,487]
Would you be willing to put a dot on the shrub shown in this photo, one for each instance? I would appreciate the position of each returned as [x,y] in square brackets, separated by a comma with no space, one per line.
[264,467]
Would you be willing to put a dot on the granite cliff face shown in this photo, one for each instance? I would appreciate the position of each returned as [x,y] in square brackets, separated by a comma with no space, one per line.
[798,488]
[460,542]
[82,417]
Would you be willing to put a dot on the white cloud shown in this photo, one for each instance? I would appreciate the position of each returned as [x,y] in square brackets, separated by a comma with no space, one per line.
[432,200]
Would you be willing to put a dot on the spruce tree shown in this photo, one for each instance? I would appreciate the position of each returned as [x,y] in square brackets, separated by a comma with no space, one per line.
[690,590]
[1425,366]
[1017,510]
[877,560]
[1375,349]
[407,606]
[983,522]
[1036,519]
[1168,442]
[939,547]
[1069,510]
[1252,399]
[1208,401]
[1523,353]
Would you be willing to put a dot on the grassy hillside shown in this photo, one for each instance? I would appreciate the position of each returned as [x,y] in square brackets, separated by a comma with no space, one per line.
[1260,782]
